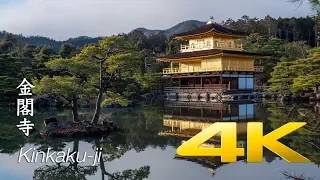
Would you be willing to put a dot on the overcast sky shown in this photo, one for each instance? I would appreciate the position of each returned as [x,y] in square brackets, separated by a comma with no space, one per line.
[61,19]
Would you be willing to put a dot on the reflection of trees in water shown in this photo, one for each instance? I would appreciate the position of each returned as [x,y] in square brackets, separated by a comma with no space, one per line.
[306,140]
[140,131]
[128,174]
[61,171]
[73,170]
[11,139]
[294,176]
[137,136]
[115,152]
[312,116]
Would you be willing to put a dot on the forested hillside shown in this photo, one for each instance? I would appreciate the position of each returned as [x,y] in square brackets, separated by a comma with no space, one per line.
[44,41]
[42,62]
[179,28]
[289,29]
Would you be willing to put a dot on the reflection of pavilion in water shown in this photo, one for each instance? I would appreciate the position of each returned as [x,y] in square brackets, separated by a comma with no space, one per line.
[186,119]
[211,163]
[208,111]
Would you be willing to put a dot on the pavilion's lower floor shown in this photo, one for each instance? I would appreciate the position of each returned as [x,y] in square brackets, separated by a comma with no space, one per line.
[225,81]
[217,87]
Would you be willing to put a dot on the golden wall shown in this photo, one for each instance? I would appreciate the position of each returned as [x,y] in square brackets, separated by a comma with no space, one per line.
[235,62]
[211,64]
[193,66]
[217,64]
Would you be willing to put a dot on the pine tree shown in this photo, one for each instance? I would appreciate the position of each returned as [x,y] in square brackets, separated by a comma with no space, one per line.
[308,71]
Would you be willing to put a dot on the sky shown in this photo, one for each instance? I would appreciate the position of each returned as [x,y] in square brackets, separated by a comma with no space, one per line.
[62,19]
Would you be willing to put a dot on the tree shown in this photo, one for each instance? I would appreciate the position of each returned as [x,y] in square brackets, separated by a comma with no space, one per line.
[116,60]
[283,73]
[73,83]
[308,71]
[282,78]
[47,50]
[109,70]
[66,50]
[8,44]
[315,6]
[273,47]
[294,51]
[10,77]
[292,77]
[137,39]
[29,51]
[157,43]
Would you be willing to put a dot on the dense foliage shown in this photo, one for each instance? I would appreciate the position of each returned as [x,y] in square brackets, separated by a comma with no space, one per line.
[297,76]
[289,29]
[42,41]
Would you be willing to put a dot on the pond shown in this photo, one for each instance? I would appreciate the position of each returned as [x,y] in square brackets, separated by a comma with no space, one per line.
[146,149]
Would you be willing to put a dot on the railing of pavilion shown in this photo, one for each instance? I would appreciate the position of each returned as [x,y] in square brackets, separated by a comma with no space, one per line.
[196,105]
[227,68]
[211,45]
[198,88]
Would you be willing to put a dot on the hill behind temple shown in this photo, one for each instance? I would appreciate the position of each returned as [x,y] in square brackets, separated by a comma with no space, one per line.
[83,40]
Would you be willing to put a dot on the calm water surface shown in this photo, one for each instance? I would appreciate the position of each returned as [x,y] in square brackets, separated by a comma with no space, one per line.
[147,147]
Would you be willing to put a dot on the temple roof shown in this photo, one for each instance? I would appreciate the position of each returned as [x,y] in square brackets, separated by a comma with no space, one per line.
[209,52]
[208,28]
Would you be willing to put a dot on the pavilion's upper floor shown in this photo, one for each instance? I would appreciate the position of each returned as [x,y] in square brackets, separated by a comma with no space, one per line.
[211,36]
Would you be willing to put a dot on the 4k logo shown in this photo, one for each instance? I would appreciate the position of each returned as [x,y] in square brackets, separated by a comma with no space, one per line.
[256,141]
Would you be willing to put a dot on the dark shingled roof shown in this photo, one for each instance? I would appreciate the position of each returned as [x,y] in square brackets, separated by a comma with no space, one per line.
[214,27]
[208,53]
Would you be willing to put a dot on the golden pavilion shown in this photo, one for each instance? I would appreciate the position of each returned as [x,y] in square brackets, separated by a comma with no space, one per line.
[212,64]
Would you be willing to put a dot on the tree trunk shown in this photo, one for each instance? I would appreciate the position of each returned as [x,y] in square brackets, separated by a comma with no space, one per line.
[316,89]
[316,92]
[75,149]
[75,115]
[317,30]
[309,39]
[96,115]
[102,166]
[315,36]
[280,33]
